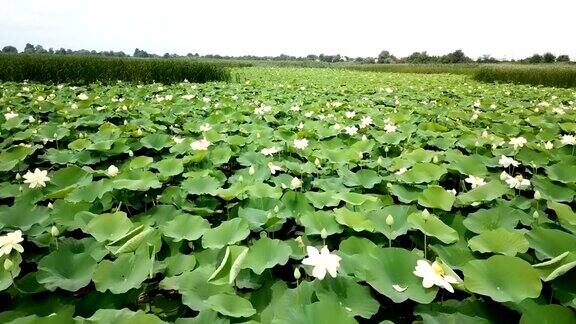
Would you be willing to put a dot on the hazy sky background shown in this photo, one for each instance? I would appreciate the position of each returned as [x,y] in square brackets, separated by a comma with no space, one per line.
[503,28]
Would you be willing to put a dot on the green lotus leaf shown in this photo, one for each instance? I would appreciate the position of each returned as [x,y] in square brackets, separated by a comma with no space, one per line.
[230,305]
[108,227]
[490,191]
[501,216]
[533,313]
[229,232]
[195,287]
[314,223]
[322,199]
[502,278]
[436,197]
[384,268]
[555,267]
[399,214]
[23,215]
[169,167]
[156,141]
[66,269]
[423,173]
[201,185]
[91,191]
[11,157]
[140,162]
[553,191]
[266,253]
[137,180]
[123,316]
[230,265]
[127,272]
[562,172]
[185,227]
[469,165]
[551,242]
[499,241]
[431,225]
[356,220]
[179,263]
[405,193]
[565,214]
[355,297]
[64,180]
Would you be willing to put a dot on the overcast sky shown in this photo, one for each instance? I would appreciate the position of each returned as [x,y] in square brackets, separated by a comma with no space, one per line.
[502,28]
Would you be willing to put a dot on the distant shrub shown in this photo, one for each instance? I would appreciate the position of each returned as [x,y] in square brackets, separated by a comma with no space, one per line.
[417,68]
[88,69]
[563,76]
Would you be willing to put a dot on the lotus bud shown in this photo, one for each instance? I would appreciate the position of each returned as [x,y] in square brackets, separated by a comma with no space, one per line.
[386,149]
[323,234]
[317,162]
[297,274]
[8,264]
[18,176]
[535,214]
[276,208]
[537,195]
[251,170]
[425,214]
[435,159]
[50,206]
[54,231]
[389,220]
[299,241]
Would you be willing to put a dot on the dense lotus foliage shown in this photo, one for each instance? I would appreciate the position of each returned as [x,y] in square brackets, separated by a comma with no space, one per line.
[289,196]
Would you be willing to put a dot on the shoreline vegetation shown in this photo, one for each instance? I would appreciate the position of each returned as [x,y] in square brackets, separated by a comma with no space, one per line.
[83,69]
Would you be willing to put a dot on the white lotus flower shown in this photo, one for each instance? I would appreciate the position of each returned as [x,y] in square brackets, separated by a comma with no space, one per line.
[365,121]
[558,111]
[300,143]
[206,99]
[10,115]
[568,140]
[350,114]
[308,114]
[177,139]
[295,108]
[83,96]
[188,97]
[453,191]
[548,145]
[351,130]
[205,127]
[337,126]
[475,182]
[336,104]
[273,168]
[518,142]
[518,182]
[200,145]
[504,176]
[270,150]
[390,128]
[296,183]
[401,171]
[263,109]
[434,275]
[507,161]
[112,171]
[234,97]
[36,179]
[322,261]
[11,241]
[389,90]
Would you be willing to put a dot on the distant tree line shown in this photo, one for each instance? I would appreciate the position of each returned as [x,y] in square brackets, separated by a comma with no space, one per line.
[385,57]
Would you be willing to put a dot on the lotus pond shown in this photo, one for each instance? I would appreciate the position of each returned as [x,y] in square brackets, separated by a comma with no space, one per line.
[288,196]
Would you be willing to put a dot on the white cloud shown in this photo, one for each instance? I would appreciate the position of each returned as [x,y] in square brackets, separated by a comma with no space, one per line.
[512,29]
